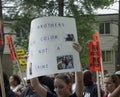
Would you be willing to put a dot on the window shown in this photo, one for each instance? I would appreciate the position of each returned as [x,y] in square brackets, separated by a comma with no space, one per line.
[104,28]
[107,56]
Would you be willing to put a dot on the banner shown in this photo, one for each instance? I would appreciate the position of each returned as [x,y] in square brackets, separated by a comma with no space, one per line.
[11,47]
[50,46]
[94,56]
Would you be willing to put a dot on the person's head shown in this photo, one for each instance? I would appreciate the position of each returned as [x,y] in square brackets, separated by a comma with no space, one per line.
[118,74]
[111,82]
[14,80]
[87,78]
[62,84]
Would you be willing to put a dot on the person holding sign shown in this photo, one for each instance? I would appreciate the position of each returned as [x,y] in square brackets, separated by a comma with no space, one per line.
[116,92]
[62,84]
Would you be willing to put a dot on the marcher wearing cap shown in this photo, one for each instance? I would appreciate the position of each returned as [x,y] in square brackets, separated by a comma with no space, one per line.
[118,74]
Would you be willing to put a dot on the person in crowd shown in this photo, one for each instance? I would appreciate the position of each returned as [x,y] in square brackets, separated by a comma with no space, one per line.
[8,91]
[111,82]
[46,81]
[90,87]
[118,74]
[28,91]
[116,92]
[62,84]
[15,84]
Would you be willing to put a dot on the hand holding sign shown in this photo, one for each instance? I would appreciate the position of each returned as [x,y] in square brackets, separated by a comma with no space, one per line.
[77,47]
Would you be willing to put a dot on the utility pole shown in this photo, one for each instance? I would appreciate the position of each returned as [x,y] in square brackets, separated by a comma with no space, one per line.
[118,54]
[1,51]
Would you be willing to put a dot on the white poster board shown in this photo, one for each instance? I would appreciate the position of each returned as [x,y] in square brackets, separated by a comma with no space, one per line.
[50,47]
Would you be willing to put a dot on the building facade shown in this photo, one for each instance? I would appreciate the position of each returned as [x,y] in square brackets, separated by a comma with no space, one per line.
[107,25]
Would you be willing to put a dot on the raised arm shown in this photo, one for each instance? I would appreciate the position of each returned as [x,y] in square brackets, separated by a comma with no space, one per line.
[116,92]
[78,75]
[38,87]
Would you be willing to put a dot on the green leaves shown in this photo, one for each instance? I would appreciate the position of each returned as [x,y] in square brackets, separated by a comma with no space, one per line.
[82,10]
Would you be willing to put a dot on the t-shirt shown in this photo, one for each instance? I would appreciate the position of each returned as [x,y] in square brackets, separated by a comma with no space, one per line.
[49,94]
[91,91]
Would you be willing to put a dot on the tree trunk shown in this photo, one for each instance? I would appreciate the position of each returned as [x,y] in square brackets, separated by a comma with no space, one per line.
[61,7]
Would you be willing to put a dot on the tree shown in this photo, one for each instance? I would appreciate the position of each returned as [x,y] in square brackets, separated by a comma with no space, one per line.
[81,10]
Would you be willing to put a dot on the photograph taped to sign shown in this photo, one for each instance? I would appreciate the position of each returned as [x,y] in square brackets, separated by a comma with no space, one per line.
[50,41]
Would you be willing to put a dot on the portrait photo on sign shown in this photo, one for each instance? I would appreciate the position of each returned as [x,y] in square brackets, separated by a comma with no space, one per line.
[65,62]
[69,37]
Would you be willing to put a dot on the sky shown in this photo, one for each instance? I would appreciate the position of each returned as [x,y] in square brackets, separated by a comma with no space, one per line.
[113,9]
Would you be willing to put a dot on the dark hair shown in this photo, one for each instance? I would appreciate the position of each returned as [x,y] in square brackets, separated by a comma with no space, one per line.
[48,81]
[87,78]
[17,78]
[28,81]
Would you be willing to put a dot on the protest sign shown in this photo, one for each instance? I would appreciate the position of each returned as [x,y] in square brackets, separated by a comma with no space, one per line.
[94,56]
[11,47]
[21,58]
[50,46]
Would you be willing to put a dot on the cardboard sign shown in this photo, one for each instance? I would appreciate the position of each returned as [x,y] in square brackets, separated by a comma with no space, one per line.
[21,58]
[50,46]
